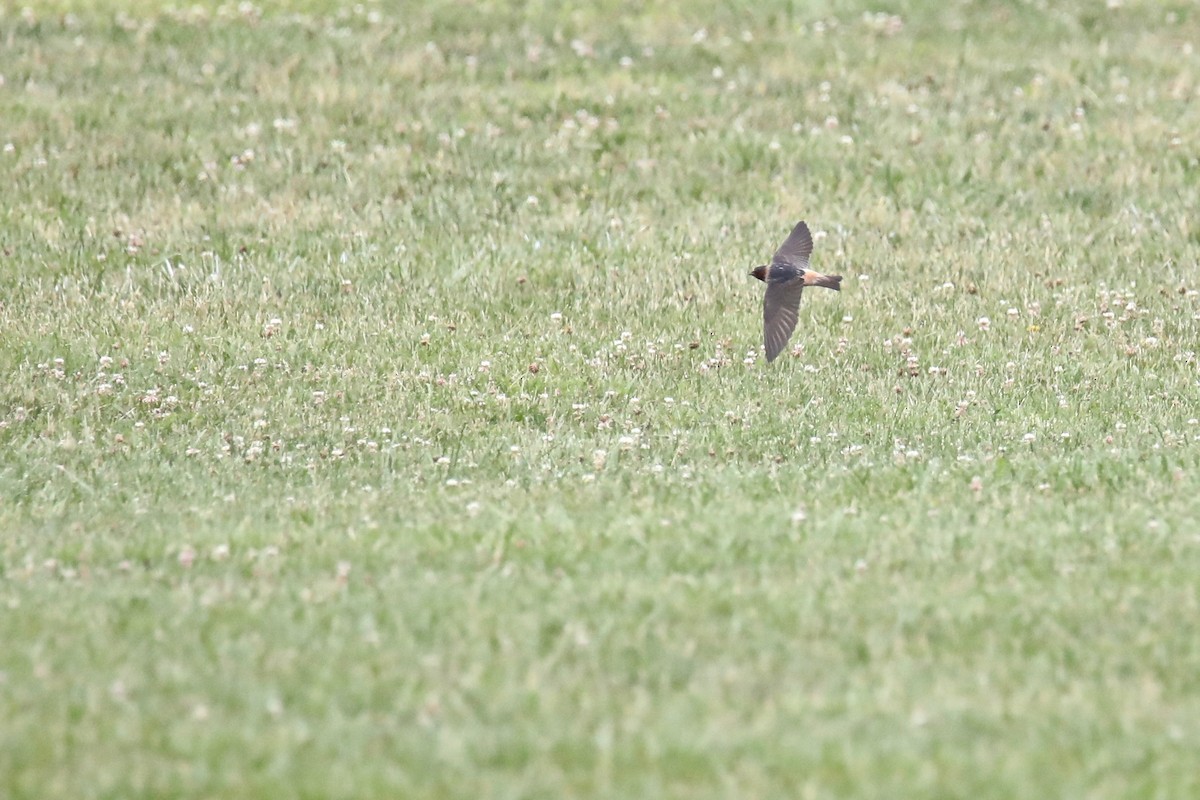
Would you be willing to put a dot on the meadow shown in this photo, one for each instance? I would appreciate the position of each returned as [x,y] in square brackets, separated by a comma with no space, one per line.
[383,410]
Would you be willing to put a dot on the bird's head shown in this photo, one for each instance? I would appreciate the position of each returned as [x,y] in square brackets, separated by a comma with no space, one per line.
[760,273]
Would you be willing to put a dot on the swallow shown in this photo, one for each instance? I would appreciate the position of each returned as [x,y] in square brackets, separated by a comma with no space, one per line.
[785,277]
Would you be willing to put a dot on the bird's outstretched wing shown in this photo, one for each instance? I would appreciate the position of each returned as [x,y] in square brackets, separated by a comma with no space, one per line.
[781,305]
[796,250]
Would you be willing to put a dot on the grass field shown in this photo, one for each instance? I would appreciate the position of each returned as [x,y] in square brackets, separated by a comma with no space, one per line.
[383,410]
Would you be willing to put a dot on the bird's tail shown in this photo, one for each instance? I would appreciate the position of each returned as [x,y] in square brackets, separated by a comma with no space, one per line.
[817,279]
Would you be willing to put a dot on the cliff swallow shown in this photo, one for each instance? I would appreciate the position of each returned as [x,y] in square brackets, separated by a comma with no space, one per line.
[786,277]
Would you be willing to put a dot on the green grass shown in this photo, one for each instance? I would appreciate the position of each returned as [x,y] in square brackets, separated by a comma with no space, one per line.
[383,413]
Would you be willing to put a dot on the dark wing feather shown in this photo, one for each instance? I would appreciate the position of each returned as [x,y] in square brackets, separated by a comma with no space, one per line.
[780,312]
[796,250]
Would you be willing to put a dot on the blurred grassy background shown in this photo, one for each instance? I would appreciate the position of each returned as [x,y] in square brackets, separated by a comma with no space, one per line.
[384,412]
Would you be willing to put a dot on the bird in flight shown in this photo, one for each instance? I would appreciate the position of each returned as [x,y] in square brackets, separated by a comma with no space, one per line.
[785,277]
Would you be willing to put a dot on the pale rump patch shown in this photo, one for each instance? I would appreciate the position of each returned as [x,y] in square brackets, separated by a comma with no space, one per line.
[814,278]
